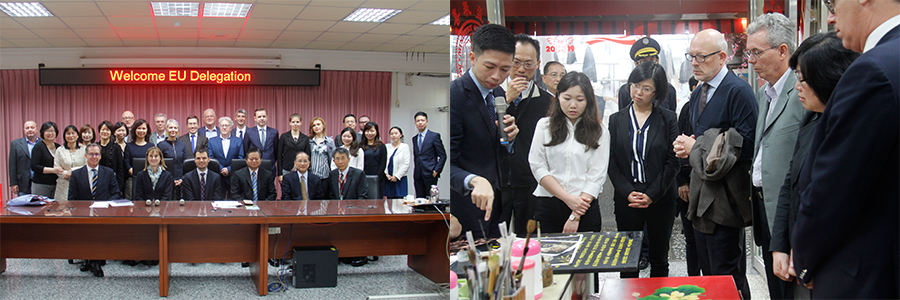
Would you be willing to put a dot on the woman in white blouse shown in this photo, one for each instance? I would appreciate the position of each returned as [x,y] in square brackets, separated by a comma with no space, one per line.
[70,157]
[569,155]
[349,142]
[397,166]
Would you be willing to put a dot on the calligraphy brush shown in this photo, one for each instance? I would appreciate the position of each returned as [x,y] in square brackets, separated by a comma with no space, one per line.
[531,226]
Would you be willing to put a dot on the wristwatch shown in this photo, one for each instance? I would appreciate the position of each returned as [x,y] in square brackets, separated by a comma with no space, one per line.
[574,218]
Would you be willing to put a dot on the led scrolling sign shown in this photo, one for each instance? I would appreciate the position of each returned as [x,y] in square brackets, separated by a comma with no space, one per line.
[179,76]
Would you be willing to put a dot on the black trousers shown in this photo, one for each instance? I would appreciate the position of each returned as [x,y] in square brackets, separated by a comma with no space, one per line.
[658,219]
[722,253]
[690,243]
[553,214]
[423,184]
[519,201]
[778,289]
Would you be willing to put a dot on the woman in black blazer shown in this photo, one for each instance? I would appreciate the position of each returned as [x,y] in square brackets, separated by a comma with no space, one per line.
[45,174]
[111,154]
[144,188]
[643,167]
[291,143]
[375,159]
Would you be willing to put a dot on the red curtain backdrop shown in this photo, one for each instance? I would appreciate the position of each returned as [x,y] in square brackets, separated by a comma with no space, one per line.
[340,92]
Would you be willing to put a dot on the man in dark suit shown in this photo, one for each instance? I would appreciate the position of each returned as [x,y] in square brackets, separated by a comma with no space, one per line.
[475,148]
[253,183]
[226,148]
[263,138]
[20,161]
[93,182]
[349,122]
[240,124]
[643,50]
[302,184]
[846,241]
[430,156]
[528,103]
[346,182]
[202,183]
[722,101]
[193,140]
[209,120]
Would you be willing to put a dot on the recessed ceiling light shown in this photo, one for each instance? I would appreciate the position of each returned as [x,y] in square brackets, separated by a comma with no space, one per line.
[175,9]
[371,15]
[25,9]
[226,10]
[445,21]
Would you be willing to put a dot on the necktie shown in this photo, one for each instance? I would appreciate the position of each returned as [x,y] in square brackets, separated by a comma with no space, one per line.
[421,140]
[202,186]
[241,134]
[489,104]
[262,137]
[193,145]
[703,91]
[303,187]
[94,183]
[341,180]
[253,182]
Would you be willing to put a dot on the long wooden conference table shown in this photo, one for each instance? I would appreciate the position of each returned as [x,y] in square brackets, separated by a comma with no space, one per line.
[196,232]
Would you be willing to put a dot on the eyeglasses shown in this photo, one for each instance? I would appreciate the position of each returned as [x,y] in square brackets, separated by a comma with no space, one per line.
[555,75]
[529,64]
[829,4]
[699,58]
[799,76]
[756,54]
[93,154]
[643,89]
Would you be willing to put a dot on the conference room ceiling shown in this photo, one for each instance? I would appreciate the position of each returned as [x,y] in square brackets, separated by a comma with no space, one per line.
[290,24]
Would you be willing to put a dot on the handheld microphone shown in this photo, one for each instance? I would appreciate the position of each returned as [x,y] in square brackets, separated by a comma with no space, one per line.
[500,104]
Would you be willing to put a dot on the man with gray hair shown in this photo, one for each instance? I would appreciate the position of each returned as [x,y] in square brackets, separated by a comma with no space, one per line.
[160,134]
[240,124]
[771,40]
[225,148]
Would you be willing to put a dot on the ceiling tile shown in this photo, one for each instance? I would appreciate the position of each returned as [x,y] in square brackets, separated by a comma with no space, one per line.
[167,33]
[122,8]
[130,33]
[337,3]
[259,34]
[216,43]
[375,38]
[271,11]
[140,42]
[416,17]
[131,22]
[425,48]
[293,44]
[41,23]
[104,42]
[324,45]
[410,40]
[96,33]
[178,42]
[9,23]
[310,25]
[55,33]
[337,37]
[229,33]
[299,35]
[394,28]
[223,23]
[30,43]
[325,13]
[253,43]
[431,30]
[66,42]
[393,47]
[184,22]
[6,44]
[19,34]
[294,2]
[439,41]
[267,24]
[446,50]
[73,9]
[432,5]
[86,22]
[392,4]
[352,27]
[359,46]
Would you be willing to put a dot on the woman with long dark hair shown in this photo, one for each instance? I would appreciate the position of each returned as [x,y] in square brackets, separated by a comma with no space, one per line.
[136,148]
[111,154]
[375,156]
[569,155]
[348,141]
[42,157]
[644,167]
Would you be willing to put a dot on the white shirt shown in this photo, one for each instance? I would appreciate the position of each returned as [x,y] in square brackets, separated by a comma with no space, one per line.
[211,133]
[880,31]
[401,159]
[358,161]
[226,145]
[304,177]
[91,175]
[240,132]
[576,170]
[773,92]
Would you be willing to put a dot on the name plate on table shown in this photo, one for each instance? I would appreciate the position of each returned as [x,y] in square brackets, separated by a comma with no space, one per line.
[591,252]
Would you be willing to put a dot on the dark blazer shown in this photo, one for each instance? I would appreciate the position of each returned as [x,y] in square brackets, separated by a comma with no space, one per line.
[190,187]
[625,98]
[316,188]
[143,186]
[355,185]
[719,197]
[112,156]
[733,105]
[40,159]
[288,149]
[432,156]
[474,149]
[846,237]
[685,128]
[200,141]
[202,130]
[527,113]
[660,164]
[242,188]
[80,184]
[133,151]
[235,151]
[177,151]
[269,150]
[20,164]
[789,195]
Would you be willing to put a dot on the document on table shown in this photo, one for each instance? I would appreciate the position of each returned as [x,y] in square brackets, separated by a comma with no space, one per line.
[121,203]
[100,204]
[226,204]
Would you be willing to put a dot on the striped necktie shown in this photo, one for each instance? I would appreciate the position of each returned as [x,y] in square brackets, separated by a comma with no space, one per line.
[202,186]
[253,182]
[94,181]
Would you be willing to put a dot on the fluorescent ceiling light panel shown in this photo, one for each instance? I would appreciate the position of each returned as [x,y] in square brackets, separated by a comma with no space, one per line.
[445,21]
[371,15]
[175,9]
[25,9]
[226,10]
